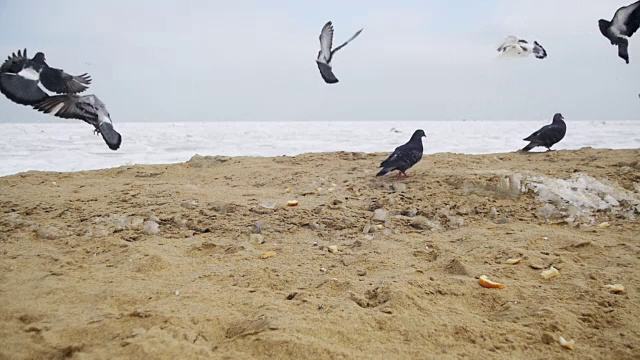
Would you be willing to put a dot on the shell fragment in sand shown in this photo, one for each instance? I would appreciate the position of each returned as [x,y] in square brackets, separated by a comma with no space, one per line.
[566,344]
[484,281]
[550,273]
[292,203]
[615,288]
[513,261]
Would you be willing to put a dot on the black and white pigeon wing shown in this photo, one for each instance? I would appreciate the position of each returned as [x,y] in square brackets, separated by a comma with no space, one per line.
[510,43]
[326,42]
[60,82]
[547,135]
[538,51]
[325,55]
[19,84]
[624,24]
[87,108]
[404,156]
[15,62]
[514,46]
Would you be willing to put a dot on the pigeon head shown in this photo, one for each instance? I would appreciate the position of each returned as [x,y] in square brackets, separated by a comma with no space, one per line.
[558,117]
[418,134]
[604,26]
[39,58]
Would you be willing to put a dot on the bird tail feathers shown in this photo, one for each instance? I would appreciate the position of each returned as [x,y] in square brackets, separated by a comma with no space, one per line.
[326,73]
[623,45]
[529,147]
[384,171]
[110,135]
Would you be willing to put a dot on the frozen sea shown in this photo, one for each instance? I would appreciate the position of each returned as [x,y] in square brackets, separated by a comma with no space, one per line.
[72,146]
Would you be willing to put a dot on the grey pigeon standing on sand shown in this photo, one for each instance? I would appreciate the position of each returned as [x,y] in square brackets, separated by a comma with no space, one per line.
[325,55]
[625,23]
[20,78]
[404,156]
[548,135]
[515,46]
[87,108]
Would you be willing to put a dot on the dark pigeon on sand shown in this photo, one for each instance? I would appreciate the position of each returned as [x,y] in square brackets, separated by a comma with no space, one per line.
[404,156]
[548,135]
[87,108]
[325,55]
[625,23]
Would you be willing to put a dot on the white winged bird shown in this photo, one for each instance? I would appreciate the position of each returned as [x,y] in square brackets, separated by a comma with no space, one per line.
[625,23]
[515,46]
[325,55]
[87,108]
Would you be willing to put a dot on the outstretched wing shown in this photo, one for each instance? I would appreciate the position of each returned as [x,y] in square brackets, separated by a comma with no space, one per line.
[509,41]
[60,82]
[327,73]
[346,42]
[21,90]
[326,42]
[66,107]
[626,20]
[14,63]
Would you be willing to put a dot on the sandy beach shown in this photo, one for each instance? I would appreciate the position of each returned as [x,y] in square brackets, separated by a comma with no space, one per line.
[205,260]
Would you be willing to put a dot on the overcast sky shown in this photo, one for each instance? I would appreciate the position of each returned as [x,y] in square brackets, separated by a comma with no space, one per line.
[253,60]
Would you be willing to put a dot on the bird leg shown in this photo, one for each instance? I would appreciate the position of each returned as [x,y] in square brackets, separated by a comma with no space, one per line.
[401,174]
[96,131]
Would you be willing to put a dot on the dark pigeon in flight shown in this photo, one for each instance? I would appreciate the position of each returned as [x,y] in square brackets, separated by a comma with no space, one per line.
[19,89]
[548,135]
[325,55]
[87,108]
[21,77]
[37,71]
[625,23]
[404,156]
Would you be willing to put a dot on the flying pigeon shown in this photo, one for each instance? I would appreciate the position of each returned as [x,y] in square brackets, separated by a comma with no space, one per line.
[87,108]
[625,23]
[325,55]
[55,80]
[548,135]
[404,156]
[513,45]
[15,87]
